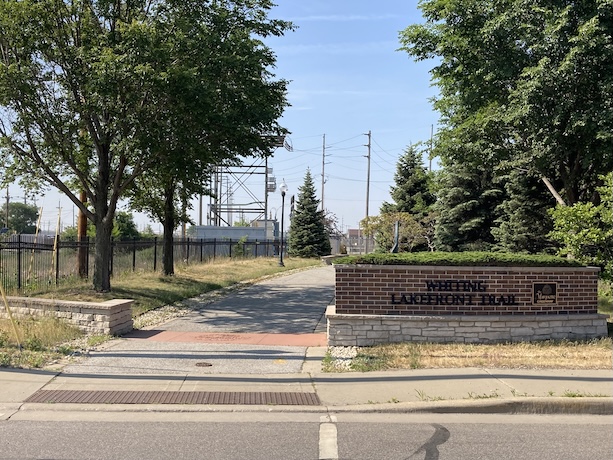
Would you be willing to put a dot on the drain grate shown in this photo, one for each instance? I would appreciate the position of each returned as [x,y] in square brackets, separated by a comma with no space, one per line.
[174,397]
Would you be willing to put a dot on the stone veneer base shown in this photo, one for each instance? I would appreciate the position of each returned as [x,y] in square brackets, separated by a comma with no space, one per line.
[112,317]
[368,330]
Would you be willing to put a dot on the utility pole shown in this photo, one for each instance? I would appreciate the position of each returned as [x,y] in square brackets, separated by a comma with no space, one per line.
[323,169]
[82,268]
[367,190]
[7,206]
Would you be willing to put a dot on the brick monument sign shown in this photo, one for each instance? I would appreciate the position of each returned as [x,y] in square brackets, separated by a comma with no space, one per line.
[471,304]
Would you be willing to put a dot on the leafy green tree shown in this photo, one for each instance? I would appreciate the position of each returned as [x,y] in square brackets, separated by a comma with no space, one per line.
[307,235]
[22,218]
[242,222]
[71,233]
[148,233]
[586,230]
[199,126]
[382,228]
[74,87]
[523,84]
[86,87]
[125,228]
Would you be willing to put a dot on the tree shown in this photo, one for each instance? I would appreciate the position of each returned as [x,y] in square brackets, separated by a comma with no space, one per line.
[331,224]
[85,89]
[22,218]
[586,230]
[523,84]
[382,228]
[467,209]
[205,126]
[148,233]
[413,191]
[412,208]
[242,222]
[524,220]
[71,233]
[307,234]
[125,227]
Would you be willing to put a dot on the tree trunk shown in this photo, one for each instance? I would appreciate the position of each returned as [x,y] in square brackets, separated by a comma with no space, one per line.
[169,228]
[102,257]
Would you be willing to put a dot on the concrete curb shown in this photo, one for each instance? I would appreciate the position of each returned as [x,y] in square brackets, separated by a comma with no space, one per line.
[535,406]
[577,406]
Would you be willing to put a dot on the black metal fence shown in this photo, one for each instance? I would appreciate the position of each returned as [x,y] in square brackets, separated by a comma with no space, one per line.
[29,264]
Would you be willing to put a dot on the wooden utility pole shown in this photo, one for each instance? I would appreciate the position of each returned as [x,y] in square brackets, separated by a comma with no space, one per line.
[82,239]
[367,190]
[323,170]
[7,206]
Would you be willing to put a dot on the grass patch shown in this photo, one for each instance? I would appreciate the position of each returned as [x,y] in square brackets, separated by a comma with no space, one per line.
[593,354]
[43,340]
[581,394]
[152,290]
[365,362]
[95,340]
[37,334]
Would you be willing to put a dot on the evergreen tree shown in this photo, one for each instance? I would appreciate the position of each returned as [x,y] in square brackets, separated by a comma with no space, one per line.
[525,221]
[468,207]
[412,207]
[307,234]
[412,192]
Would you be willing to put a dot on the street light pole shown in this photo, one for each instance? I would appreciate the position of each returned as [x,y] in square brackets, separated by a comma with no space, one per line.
[283,189]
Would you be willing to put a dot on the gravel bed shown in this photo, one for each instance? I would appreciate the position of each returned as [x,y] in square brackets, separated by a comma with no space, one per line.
[160,315]
[342,357]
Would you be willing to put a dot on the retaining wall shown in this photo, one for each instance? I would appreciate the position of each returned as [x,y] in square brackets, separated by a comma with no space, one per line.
[111,317]
[394,303]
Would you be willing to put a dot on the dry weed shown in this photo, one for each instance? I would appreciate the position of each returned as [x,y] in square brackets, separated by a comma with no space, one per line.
[594,354]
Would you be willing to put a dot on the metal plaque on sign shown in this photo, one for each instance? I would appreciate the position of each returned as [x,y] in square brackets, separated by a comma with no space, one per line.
[545,293]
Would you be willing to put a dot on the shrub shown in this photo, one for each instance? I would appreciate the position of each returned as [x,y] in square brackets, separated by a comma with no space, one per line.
[460,258]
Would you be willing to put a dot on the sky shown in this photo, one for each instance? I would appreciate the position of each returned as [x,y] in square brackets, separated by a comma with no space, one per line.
[346,78]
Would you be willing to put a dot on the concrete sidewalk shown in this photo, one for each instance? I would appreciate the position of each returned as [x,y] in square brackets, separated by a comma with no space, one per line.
[268,339]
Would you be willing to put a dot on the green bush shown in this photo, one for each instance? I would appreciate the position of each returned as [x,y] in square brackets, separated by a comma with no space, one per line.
[4,339]
[33,344]
[460,258]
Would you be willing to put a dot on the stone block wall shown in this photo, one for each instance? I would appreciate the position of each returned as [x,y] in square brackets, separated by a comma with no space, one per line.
[111,317]
[368,330]
[391,303]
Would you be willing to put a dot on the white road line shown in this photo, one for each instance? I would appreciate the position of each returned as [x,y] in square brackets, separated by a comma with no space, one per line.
[328,446]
